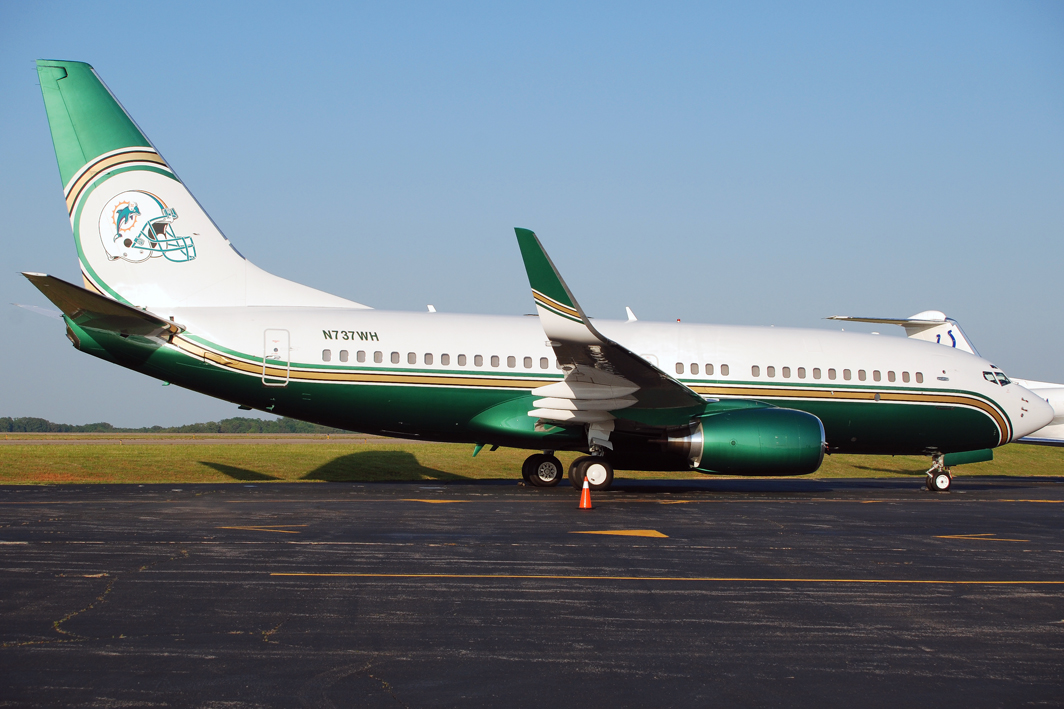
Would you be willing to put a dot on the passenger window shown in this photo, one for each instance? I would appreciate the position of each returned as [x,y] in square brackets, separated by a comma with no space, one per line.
[679,367]
[445,359]
[816,372]
[395,358]
[770,371]
[890,376]
[801,372]
[876,376]
[724,370]
[461,360]
[846,374]
[511,361]
[861,374]
[831,374]
[755,371]
[544,362]
[361,356]
[378,356]
[905,377]
[428,358]
[495,360]
[709,370]
[478,360]
[343,355]
[919,377]
[326,355]
[411,358]
[694,368]
[786,372]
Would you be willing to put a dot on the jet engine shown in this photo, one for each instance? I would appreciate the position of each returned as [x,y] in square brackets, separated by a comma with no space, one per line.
[763,441]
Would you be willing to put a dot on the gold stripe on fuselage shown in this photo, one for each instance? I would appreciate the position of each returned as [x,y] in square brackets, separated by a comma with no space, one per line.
[923,397]
[517,382]
[363,377]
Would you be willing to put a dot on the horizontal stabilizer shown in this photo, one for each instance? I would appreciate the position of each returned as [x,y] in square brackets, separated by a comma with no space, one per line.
[929,326]
[94,311]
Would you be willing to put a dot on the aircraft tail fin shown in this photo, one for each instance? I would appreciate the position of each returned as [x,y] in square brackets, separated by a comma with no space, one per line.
[141,237]
[929,326]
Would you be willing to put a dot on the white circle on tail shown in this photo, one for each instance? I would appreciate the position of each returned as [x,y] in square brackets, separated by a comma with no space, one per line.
[136,226]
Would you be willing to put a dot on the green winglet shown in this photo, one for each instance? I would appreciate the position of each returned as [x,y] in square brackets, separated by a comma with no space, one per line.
[548,288]
[85,119]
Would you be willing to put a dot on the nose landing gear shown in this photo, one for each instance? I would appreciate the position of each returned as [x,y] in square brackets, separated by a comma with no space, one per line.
[939,478]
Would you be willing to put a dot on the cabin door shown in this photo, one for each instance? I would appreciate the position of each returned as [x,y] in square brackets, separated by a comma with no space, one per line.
[275,365]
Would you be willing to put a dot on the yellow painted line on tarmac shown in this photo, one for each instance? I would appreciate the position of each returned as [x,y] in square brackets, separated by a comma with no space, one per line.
[676,502]
[432,502]
[281,528]
[1051,502]
[628,533]
[987,537]
[696,579]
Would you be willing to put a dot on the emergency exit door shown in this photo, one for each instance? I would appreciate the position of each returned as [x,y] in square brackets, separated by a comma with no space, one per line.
[275,365]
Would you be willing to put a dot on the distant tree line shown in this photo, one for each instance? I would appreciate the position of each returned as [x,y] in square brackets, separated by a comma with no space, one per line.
[29,424]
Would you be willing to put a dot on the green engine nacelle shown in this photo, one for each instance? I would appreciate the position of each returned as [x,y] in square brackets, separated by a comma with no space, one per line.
[765,441]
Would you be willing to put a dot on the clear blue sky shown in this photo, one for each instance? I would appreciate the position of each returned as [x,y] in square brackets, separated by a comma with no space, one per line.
[757,163]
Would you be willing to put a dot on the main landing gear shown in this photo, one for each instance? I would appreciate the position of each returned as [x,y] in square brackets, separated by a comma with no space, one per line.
[597,470]
[542,470]
[939,478]
[545,470]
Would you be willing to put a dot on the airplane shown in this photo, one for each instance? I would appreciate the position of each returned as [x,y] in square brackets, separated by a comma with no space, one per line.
[165,293]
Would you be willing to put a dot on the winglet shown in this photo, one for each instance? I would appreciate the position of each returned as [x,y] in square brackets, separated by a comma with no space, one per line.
[561,315]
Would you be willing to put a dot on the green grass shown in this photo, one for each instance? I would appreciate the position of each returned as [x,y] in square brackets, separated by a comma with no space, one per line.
[374,462]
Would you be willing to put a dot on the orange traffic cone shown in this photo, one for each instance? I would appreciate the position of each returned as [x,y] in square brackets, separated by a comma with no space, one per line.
[585,497]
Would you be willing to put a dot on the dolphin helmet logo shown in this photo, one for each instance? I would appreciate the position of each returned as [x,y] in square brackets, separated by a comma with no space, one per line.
[136,226]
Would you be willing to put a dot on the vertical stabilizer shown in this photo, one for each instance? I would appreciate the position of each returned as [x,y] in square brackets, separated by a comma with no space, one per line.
[141,237]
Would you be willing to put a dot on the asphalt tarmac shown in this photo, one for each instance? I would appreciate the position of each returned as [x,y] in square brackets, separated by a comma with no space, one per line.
[870,593]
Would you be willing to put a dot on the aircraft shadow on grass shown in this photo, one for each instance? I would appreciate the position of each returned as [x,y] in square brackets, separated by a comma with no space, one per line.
[366,466]
[895,471]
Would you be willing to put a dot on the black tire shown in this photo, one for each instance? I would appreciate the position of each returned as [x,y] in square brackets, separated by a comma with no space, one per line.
[526,470]
[599,474]
[543,470]
[576,471]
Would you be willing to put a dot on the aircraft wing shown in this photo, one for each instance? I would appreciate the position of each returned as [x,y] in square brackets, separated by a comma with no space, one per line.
[91,310]
[603,379]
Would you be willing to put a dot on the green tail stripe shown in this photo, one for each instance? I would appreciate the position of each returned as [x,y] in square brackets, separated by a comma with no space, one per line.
[85,119]
[542,275]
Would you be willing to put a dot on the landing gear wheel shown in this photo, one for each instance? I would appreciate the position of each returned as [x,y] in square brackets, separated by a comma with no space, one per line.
[576,474]
[542,470]
[940,482]
[597,470]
